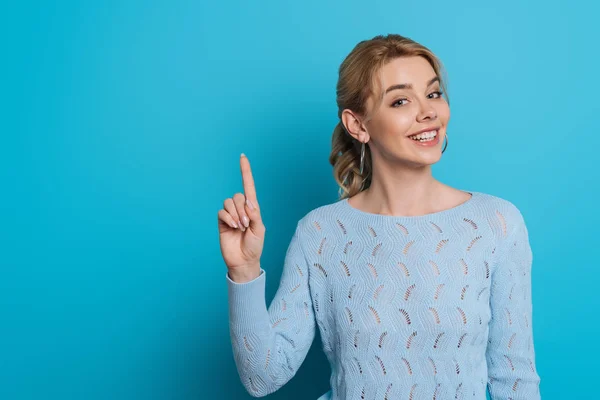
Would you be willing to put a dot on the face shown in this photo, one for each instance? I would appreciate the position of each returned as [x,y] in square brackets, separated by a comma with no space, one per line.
[412,103]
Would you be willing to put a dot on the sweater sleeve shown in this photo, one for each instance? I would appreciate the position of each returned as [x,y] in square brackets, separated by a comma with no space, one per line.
[269,345]
[510,353]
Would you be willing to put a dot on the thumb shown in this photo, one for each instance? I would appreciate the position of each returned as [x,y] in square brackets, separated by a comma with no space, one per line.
[253,212]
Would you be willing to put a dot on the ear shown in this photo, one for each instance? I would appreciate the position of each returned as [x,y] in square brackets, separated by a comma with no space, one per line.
[355,126]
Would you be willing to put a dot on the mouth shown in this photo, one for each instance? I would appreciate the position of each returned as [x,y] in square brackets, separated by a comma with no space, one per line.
[426,138]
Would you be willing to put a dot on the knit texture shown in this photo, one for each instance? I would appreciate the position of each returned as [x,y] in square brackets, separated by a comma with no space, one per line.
[435,306]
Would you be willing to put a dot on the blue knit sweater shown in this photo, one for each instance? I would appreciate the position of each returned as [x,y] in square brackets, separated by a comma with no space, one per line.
[435,306]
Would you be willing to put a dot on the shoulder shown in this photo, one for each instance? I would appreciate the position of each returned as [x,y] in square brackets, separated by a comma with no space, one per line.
[505,217]
[320,218]
[313,226]
[507,208]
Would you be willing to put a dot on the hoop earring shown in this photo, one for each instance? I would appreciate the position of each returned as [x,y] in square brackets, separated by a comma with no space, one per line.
[446,145]
[362,157]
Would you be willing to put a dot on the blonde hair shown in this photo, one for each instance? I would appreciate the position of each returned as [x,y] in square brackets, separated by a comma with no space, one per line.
[357,80]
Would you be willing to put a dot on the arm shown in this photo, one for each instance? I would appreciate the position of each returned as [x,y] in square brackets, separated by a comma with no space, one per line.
[510,354]
[269,345]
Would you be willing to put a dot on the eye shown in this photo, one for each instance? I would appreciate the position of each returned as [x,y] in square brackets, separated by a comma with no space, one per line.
[437,93]
[396,103]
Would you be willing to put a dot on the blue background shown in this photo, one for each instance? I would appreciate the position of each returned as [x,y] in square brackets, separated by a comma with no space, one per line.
[122,125]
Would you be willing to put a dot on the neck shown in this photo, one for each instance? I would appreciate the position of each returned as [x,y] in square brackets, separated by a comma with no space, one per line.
[403,191]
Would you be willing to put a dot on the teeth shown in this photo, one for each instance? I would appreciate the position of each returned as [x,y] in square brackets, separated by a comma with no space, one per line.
[424,135]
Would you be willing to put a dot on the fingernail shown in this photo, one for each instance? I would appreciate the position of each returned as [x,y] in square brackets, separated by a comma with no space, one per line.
[242,155]
[250,205]
[234,225]
[246,221]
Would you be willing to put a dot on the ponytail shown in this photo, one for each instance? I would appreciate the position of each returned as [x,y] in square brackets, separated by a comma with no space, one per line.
[345,159]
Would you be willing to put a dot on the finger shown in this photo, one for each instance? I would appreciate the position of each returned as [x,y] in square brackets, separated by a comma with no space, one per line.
[240,201]
[226,218]
[229,206]
[256,224]
[253,213]
[248,180]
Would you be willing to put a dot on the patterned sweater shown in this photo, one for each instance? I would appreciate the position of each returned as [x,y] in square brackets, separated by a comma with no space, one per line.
[435,306]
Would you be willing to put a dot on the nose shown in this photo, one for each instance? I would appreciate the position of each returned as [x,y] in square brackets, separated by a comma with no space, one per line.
[426,111]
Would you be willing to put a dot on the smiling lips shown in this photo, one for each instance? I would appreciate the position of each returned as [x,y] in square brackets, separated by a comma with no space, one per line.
[426,130]
[426,138]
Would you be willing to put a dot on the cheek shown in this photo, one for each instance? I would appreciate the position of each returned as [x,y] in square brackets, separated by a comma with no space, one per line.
[399,123]
[443,112]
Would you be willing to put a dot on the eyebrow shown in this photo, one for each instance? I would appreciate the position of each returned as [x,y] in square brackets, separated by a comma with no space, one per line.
[409,86]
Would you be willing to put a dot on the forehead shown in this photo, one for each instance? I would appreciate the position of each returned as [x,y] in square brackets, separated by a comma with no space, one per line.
[413,70]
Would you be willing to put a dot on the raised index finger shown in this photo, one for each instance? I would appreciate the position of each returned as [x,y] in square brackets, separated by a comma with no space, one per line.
[248,181]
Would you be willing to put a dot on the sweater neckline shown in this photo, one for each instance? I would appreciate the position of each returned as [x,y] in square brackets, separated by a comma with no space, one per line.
[449,211]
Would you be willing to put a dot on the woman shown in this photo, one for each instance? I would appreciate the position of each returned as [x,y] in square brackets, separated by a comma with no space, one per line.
[419,290]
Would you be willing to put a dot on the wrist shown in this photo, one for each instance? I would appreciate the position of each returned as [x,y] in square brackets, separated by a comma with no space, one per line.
[244,274]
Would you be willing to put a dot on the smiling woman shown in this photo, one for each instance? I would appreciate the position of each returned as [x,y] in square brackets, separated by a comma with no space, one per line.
[419,290]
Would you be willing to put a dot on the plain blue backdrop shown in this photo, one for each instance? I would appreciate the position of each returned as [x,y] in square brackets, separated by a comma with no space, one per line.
[122,125]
